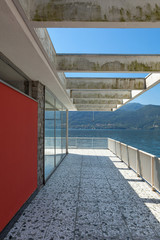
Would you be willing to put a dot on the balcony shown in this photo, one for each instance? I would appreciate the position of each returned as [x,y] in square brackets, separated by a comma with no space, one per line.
[95,195]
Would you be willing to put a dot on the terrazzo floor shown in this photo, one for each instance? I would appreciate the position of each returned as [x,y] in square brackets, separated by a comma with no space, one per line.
[92,195]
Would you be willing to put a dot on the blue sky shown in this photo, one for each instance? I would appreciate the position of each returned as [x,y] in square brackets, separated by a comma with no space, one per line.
[110,41]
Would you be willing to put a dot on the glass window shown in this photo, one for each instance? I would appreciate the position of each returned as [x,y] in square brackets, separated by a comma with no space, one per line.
[49,134]
[64,132]
[58,132]
[55,133]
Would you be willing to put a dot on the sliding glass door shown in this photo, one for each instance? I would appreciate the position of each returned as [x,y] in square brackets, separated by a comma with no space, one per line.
[55,133]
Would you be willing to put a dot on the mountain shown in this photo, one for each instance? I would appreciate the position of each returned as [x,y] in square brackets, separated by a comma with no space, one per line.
[130,116]
[132,107]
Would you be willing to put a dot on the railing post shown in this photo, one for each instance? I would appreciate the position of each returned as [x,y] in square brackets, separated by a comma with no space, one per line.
[137,163]
[152,172]
[109,144]
[76,142]
[115,148]
[128,157]
[66,131]
[121,150]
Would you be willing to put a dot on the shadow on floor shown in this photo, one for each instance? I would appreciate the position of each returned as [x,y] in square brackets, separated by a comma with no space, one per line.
[88,198]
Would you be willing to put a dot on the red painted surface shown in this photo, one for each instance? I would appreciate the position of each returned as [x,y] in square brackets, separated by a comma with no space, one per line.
[18,151]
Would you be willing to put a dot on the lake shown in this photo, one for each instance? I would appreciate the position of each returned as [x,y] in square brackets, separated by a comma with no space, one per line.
[146,140]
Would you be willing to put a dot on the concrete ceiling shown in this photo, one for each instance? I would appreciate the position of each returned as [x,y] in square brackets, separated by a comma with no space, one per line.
[32,51]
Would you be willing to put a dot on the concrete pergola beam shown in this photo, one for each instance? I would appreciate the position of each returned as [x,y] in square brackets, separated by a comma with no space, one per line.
[152,80]
[107,83]
[95,106]
[96,109]
[77,101]
[89,13]
[107,63]
[108,94]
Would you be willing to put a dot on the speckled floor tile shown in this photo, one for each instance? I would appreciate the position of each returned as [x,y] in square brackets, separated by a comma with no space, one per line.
[91,196]
[59,230]
[141,232]
[119,231]
[87,197]
[88,232]
[88,216]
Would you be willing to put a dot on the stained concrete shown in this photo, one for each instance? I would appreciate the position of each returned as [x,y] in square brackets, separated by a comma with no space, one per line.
[107,63]
[95,106]
[96,101]
[92,195]
[46,12]
[105,94]
[106,83]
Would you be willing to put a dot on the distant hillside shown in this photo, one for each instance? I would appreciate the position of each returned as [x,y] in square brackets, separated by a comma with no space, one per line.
[132,107]
[130,116]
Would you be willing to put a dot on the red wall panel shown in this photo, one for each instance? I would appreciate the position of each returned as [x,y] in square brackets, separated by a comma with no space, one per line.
[18,151]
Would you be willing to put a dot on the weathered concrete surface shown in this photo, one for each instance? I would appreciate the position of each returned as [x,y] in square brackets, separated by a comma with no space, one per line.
[92,195]
[62,79]
[47,44]
[108,94]
[96,101]
[50,13]
[92,107]
[108,63]
[96,109]
[110,83]
[96,105]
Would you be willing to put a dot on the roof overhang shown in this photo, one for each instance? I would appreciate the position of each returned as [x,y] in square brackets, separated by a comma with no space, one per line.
[31,49]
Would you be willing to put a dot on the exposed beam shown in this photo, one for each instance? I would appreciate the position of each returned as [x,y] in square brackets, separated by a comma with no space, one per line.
[110,94]
[95,109]
[89,13]
[151,81]
[108,83]
[107,63]
[96,101]
[95,106]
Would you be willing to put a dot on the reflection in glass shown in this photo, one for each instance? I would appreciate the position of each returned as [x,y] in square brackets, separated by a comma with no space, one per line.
[58,133]
[63,132]
[49,134]
[55,133]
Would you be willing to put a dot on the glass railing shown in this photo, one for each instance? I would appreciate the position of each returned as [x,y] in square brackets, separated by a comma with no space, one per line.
[144,164]
[87,143]
[77,142]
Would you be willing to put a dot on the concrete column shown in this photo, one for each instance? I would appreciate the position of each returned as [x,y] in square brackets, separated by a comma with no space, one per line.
[38,93]
[66,131]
